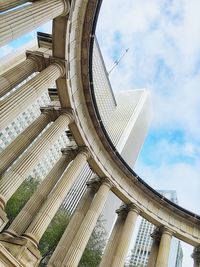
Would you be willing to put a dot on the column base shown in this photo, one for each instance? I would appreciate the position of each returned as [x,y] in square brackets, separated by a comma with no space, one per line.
[7,259]
[23,250]
[3,219]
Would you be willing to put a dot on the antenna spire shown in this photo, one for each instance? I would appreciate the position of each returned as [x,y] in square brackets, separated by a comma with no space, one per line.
[118,61]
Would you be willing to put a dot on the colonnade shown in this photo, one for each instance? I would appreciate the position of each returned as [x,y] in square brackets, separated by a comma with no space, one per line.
[15,23]
[19,158]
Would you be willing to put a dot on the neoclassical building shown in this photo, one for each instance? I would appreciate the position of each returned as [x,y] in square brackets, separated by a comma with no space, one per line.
[69,65]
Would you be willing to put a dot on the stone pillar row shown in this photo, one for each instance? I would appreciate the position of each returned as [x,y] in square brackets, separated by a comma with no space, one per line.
[164,248]
[119,241]
[12,179]
[40,223]
[64,244]
[21,142]
[84,232]
[159,255]
[19,73]
[24,234]
[8,4]
[25,19]
[32,207]
[125,237]
[13,105]
[113,241]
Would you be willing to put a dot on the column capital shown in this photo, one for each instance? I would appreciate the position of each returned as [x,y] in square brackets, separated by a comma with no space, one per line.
[66,7]
[51,112]
[60,64]
[166,230]
[133,207]
[196,254]
[94,183]
[71,151]
[68,112]
[122,210]
[156,234]
[38,58]
[107,181]
[84,150]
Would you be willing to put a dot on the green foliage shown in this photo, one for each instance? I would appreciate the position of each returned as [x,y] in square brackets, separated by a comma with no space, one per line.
[53,234]
[93,252]
[20,197]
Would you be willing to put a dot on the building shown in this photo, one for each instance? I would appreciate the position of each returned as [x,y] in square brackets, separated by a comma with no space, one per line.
[127,126]
[142,248]
[69,66]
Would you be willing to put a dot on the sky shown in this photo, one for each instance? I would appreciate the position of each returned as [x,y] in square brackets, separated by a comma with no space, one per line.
[163,57]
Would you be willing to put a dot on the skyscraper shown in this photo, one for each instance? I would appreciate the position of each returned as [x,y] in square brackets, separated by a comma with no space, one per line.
[126,125]
[142,248]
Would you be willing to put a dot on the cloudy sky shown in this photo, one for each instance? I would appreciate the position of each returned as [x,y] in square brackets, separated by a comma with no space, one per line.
[163,37]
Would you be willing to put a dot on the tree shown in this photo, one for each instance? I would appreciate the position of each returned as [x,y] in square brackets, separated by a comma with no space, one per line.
[20,197]
[53,234]
[93,252]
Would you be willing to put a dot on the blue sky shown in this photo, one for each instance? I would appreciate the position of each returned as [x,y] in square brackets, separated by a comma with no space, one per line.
[164,57]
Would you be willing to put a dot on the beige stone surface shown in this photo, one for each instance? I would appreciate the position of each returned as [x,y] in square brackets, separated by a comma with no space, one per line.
[16,75]
[18,22]
[7,4]
[24,139]
[125,237]
[64,244]
[19,171]
[7,259]
[15,103]
[79,242]
[32,207]
[114,238]
[22,250]
[56,197]
[164,248]
[154,248]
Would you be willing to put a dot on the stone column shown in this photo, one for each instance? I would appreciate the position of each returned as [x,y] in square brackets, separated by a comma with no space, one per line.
[154,248]
[21,142]
[17,102]
[74,224]
[14,76]
[196,257]
[12,179]
[56,197]
[125,237]
[18,22]
[164,248]
[114,238]
[79,242]
[8,4]
[32,207]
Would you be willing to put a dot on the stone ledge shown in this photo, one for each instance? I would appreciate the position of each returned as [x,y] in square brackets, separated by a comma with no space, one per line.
[22,250]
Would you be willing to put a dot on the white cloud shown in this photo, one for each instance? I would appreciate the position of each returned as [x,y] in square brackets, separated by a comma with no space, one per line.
[164,57]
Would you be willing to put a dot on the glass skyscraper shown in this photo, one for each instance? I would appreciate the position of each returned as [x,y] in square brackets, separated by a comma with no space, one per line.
[126,119]
[142,247]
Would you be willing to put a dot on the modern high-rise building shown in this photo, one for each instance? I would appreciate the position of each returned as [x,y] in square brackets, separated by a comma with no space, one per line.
[142,247]
[126,124]
[62,69]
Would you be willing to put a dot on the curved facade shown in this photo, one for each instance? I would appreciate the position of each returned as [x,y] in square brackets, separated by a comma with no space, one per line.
[70,66]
